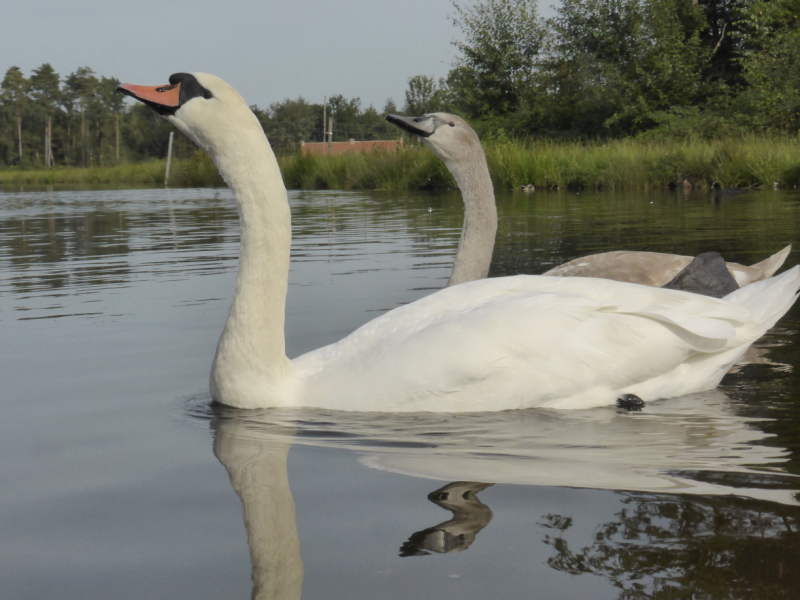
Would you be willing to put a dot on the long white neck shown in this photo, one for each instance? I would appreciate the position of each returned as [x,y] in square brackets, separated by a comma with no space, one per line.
[250,361]
[480,218]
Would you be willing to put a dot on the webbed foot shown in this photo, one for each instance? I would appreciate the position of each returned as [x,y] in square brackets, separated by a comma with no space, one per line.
[630,402]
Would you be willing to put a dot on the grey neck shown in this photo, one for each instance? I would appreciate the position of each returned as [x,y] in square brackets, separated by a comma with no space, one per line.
[476,245]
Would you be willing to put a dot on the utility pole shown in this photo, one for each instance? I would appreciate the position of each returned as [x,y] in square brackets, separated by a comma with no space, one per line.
[324,115]
[116,132]
[48,155]
[330,134]
[169,158]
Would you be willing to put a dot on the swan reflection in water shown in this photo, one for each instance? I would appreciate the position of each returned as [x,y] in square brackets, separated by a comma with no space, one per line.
[694,445]
[470,515]
[256,465]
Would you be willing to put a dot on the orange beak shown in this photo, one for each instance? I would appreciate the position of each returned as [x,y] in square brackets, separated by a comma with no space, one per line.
[166,96]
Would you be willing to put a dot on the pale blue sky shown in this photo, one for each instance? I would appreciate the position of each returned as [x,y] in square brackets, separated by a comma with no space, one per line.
[269,49]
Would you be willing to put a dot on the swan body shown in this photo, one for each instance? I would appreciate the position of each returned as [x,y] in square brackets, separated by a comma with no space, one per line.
[452,139]
[656,268]
[523,341]
[490,344]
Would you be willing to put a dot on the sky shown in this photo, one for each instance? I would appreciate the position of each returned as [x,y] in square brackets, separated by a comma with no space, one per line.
[269,50]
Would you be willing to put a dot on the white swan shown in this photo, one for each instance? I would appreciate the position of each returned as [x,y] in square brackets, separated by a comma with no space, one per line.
[491,344]
[456,143]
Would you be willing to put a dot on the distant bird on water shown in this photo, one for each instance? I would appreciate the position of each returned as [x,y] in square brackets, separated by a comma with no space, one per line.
[720,192]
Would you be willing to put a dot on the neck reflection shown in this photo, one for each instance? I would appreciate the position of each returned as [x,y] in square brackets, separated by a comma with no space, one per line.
[256,466]
[470,515]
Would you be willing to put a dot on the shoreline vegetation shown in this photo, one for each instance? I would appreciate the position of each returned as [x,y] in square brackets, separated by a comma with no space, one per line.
[746,161]
[703,91]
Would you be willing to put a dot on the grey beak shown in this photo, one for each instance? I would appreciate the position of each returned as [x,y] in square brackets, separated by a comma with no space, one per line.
[423,126]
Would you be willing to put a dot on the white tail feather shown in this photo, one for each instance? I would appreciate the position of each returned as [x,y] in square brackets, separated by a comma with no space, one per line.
[768,300]
[769,265]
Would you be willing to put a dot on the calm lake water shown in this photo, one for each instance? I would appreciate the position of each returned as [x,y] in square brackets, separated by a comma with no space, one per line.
[121,480]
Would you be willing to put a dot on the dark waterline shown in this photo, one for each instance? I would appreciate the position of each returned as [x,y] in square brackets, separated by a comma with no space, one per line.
[121,480]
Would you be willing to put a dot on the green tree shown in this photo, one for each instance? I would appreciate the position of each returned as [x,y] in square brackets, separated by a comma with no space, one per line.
[78,98]
[424,95]
[390,108]
[291,122]
[145,135]
[419,95]
[721,37]
[114,104]
[770,61]
[46,92]
[372,125]
[345,114]
[615,65]
[498,57]
[13,92]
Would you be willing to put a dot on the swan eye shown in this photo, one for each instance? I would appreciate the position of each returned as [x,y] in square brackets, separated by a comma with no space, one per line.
[451,124]
[207,94]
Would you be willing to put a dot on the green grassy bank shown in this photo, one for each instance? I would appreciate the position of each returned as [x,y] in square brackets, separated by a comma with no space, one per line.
[197,171]
[621,164]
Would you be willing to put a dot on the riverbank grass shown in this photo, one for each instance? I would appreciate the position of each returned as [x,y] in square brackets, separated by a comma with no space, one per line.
[620,164]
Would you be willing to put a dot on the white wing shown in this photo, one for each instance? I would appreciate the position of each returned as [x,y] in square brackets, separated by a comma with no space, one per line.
[525,341]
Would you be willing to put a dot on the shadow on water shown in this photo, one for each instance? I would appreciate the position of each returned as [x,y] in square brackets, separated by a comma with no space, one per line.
[697,484]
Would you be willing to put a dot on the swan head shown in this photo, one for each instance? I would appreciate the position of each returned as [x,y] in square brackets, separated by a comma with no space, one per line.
[204,107]
[449,136]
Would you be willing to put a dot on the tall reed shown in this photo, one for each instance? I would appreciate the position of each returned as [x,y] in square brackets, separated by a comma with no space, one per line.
[642,164]
[619,164]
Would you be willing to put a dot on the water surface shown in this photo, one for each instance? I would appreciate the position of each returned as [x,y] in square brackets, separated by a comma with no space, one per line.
[121,480]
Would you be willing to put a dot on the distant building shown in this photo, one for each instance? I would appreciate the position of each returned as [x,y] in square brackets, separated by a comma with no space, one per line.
[349,147]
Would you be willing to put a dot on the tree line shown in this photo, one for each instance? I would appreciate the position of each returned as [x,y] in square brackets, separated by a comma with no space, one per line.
[290,122]
[613,68]
[598,69]
[81,121]
[47,121]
